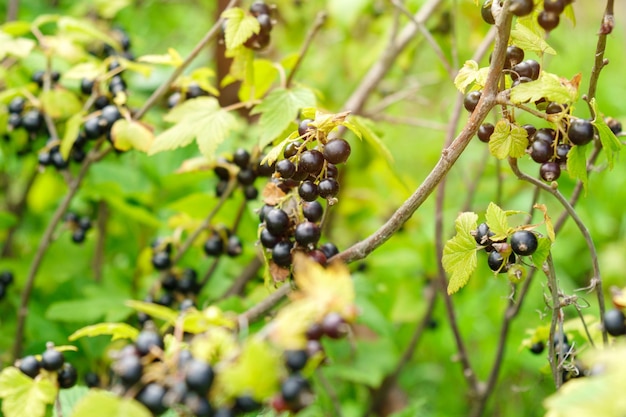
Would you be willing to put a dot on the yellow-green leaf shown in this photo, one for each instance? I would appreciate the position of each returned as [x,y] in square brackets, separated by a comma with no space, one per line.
[109,8]
[548,86]
[72,129]
[131,135]
[60,103]
[16,28]
[240,26]
[610,143]
[103,403]
[528,40]
[19,47]
[154,310]
[23,396]
[89,70]
[497,221]
[544,245]
[577,164]
[365,129]
[172,58]
[508,140]
[115,330]
[459,253]
[85,27]
[547,220]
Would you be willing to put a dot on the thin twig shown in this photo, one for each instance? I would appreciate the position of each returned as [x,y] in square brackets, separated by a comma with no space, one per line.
[18,210]
[12,8]
[320,19]
[555,365]
[101,227]
[599,62]
[244,277]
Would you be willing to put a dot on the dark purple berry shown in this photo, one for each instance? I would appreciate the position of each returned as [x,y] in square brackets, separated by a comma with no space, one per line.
[307,233]
[258,8]
[161,261]
[521,7]
[152,397]
[241,158]
[471,100]
[580,131]
[295,360]
[334,326]
[16,105]
[312,211]
[337,151]
[485,131]
[311,161]
[514,55]
[267,239]
[550,171]
[285,168]
[214,246]
[547,20]
[554,6]
[199,376]
[30,366]
[281,253]
[147,340]
[308,191]
[67,376]
[537,348]
[541,151]
[329,249]
[52,359]
[303,127]
[524,242]
[277,221]
[486,14]
[614,322]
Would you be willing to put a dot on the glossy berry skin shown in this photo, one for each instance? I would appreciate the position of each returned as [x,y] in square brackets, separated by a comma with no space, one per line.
[554,6]
[234,246]
[550,171]
[246,176]
[312,211]
[555,108]
[471,100]
[268,240]
[214,246]
[303,127]
[311,161]
[281,253]
[485,131]
[524,242]
[93,128]
[614,322]
[129,369]
[291,388]
[152,397]
[285,168]
[86,86]
[547,20]
[241,158]
[147,340]
[530,131]
[67,376]
[541,151]
[52,360]
[521,7]
[277,221]
[161,261]
[246,404]
[92,380]
[308,191]
[328,188]
[78,236]
[292,148]
[199,376]
[580,132]
[334,326]
[16,105]
[258,8]
[545,134]
[30,366]
[32,120]
[485,13]
[110,114]
[307,233]
[337,151]
[329,249]
[514,55]
[295,360]
[537,348]
[482,235]
[496,261]
[529,68]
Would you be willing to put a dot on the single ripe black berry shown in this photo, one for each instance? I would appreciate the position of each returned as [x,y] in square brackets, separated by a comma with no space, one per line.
[277,221]
[329,249]
[514,55]
[93,128]
[521,7]
[554,6]
[334,326]
[482,235]
[129,369]
[67,376]
[16,105]
[30,366]
[15,120]
[188,282]
[241,158]
[580,131]
[545,134]
[258,8]
[86,86]
[291,388]
[295,360]
[311,161]
[146,340]
[32,120]
[265,22]
[214,246]
[541,151]
[6,278]
[495,260]
[234,246]
[530,131]
[92,380]
[614,322]
[117,85]
[152,397]
[79,235]
[303,127]
[161,261]
[57,160]
[246,404]
[524,242]
[308,191]
[328,188]
[198,405]
[52,359]
[537,348]
[110,114]
[281,253]
[250,192]
[246,176]
[485,131]
[337,151]
[312,211]
[101,102]
[265,169]
[550,171]
[471,100]
[562,151]
[199,376]
[307,233]
[614,125]
[292,148]
[285,168]
[548,20]
[486,14]
[195,91]
[555,108]
[267,239]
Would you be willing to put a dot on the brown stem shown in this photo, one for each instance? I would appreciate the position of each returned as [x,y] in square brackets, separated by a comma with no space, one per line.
[599,62]
[320,19]
[246,275]
[12,8]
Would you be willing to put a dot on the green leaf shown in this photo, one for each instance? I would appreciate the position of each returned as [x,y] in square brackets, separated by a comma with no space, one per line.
[154,310]
[525,38]
[470,74]
[60,103]
[548,86]
[497,221]
[19,47]
[115,330]
[569,13]
[459,253]
[201,119]
[264,73]
[70,24]
[508,140]
[16,28]
[23,396]
[129,134]
[610,143]
[88,70]
[279,109]
[256,372]
[103,403]
[240,26]
[72,129]
[92,309]
[364,126]
[541,254]
[68,399]
[7,219]
[277,150]
[172,58]
[577,164]
[109,8]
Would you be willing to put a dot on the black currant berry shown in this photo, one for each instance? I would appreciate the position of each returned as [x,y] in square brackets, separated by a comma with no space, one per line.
[547,20]
[265,22]
[285,168]
[52,359]
[16,105]
[78,236]
[486,14]
[30,366]
[295,360]
[214,246]
[32,120]
[6,278]
[614,322]
[57,160]
[161,261]
[146,340]
[521,7]
[545,134]
[267,239]
[514,55]
[199,376]
[265,169]
[495,260]
[482,235]
[15,120]
[329,249]
[234,246]
[485,131]
[110,114]
[277,221]
[562,151]
[312,211]
[524,242]
[307,233]
[334,326]
[101,102]
[614,125]
[188,282]
[92,380]
[537,348]
[86,86]
[67,376]
[555,108]
[530,131]
[198,405]
[308,191]
[93,128]
[241,158]
[152,397]
[292,149]
[580,131]
[331,171]
[194,91]
[471,100]
[337,151]
[303,127]
[129,369]
[281,253]
[173,99]
[541,151]
[311,161]
[291,388]
[328,188]
[250,192]
[554,6]
[246,176]
[117,85]
[550,171]
[246,404]
[258,8]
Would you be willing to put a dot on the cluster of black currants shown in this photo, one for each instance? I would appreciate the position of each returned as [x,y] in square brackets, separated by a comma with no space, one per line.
[246,168]
[51,360]
[178,289]
[78,225]
[22,114]
[6,279]
[223,241]
[105,50]
[193,90]
[295,389]
[565,352]
[332,326]
[502,255]
[548,18]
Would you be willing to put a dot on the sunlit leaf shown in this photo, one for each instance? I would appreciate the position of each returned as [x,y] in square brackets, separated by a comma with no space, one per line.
[16,28]
[497,221]
[70,24]
[577,164]
[23,396]
[547,220]
[459,253]
[103,403]
[610,143]
[72,129]
[131,134]
[60,103]
[508,140]
[240,26]
[115,330]
[523,37]
[172,58]
[154,310]
[89,70]
[543,250]
[279,109]
[364,126]
[109,8]
[19,47]
[548,86]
